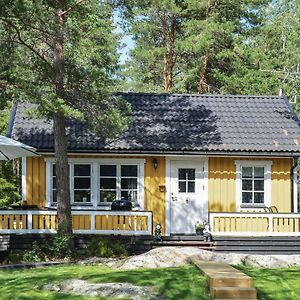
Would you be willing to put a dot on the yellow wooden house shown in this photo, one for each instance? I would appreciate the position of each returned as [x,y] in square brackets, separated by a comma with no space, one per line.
[223,159]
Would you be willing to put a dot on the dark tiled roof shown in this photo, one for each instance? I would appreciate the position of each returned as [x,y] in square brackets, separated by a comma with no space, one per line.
[175,122]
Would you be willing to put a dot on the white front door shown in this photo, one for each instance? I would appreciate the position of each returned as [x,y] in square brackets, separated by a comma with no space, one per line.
[188,203]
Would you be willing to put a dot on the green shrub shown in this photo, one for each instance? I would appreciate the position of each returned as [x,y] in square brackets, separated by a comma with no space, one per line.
[60,246]
[105,247]
[35,254]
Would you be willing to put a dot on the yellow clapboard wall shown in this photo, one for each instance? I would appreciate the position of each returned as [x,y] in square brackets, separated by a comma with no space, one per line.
[222,188]
[221,193]
[36,181]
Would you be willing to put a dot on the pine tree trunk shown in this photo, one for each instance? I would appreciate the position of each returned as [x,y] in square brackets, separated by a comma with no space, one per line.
[171,54]
[203,87]
[164,44]
[60,142]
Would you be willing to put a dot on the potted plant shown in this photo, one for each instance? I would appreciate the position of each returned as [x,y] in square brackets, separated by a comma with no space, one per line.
[199,227]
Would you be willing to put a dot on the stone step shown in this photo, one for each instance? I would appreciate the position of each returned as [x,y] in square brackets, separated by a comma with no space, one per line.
[232,281]
[233,293]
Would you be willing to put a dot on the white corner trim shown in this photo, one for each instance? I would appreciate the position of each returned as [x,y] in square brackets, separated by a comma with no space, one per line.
[267,164]
[168,197]
[295,189]
[48,183]
[206,182]
[24,186]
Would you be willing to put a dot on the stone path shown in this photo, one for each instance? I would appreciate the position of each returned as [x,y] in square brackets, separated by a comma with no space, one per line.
[226,282]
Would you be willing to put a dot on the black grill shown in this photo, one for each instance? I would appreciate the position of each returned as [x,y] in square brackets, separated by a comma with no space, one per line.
[121,205]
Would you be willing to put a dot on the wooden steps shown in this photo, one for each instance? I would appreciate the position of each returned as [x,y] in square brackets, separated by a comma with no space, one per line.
[202,245]
[258,245]
[183,241]
[225,282]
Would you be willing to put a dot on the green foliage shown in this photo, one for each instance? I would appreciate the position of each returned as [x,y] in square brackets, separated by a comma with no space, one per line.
[9,184]
[8,194]
[206,53]
[105,247]
[35,254]
[60,247]
[56,248]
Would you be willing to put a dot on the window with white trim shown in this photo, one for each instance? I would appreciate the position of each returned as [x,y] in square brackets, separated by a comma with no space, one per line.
[81,183]
[118,182]
[253,183]
[99,182]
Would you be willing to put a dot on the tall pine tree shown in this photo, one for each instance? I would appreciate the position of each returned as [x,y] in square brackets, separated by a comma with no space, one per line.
[66,57]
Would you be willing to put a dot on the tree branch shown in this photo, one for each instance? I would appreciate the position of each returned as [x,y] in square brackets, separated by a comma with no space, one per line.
[72,7]
[23,42]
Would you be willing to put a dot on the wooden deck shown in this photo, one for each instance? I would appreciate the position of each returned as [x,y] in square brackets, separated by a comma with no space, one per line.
[84,222]
[246,224]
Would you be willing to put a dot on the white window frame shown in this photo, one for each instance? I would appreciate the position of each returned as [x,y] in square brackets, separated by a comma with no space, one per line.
[72,184]
[95,180]
[267,164]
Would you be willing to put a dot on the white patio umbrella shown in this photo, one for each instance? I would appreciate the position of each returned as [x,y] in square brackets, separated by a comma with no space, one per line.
[10,149]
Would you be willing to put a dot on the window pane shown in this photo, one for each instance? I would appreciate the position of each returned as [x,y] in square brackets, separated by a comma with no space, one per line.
[247,172]
[54,182]
[107,196]
[82,183]
[247,197]
[82,196]
[108,170]
[191,174]
[108,183]
[129,183]
[181,174]
[53,170]
[129,195]
[247,185]
[258,185]
[191,186]
[129,171]
[258,197]
[181,186]
[54,196]
[259,172]
[82,170]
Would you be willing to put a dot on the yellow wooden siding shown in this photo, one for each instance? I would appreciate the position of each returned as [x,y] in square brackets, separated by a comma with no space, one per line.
[36,181]
[281,184]
[222,183]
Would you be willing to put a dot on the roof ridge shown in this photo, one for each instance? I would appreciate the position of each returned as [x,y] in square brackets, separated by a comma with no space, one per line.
[197,95]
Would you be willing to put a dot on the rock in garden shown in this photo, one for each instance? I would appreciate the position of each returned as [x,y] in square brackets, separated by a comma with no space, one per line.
[112,290]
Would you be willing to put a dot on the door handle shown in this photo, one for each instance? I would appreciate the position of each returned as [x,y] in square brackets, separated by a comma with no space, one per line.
[186,201]
[174,198]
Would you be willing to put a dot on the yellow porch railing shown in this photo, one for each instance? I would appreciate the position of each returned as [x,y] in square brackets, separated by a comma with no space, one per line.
[255,224]
[84,222]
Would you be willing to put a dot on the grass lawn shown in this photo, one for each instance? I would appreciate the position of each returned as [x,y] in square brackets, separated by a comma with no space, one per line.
[275,284]
[175,283]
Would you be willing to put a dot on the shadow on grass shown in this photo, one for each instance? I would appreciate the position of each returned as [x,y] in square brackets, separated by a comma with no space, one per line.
[174,283]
